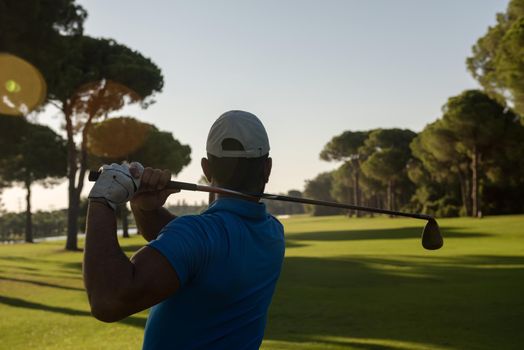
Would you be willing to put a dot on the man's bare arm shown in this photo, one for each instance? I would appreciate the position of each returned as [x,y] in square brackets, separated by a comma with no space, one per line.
[147,203]
[150,222]
[117,286]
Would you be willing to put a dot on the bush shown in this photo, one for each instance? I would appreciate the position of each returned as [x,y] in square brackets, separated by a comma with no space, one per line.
[45,224]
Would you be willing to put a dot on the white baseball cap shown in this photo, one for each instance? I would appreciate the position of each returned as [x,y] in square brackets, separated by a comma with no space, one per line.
[243,127]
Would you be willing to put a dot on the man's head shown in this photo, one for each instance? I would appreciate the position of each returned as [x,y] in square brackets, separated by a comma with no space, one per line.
[238,153]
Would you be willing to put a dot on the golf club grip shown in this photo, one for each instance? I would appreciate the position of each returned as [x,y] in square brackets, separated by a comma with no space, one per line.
[93,176]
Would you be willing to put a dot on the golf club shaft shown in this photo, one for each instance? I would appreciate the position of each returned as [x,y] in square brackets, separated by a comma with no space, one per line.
[93,175]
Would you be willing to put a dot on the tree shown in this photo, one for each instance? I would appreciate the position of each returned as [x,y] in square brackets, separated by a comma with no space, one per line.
[477,123]
[320,188]
[295,208]
[33,29]
[40,156]
[285,208]
[437,170]
[373,192]
[107,140]
[161,150]
[502,191]
[347,147]
[498,58]
[97,77]
[35,22]
[343,182]
[12,129]
[127,139]
[387,154]
[87,78]
[473,144]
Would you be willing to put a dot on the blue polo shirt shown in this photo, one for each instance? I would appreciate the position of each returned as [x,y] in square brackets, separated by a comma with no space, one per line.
[228,260]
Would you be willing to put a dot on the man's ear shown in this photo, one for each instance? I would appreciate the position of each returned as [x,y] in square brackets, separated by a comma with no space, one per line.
[204,162]
[267,169]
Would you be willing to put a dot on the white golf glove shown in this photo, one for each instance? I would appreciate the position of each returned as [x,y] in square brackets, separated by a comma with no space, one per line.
[116,184]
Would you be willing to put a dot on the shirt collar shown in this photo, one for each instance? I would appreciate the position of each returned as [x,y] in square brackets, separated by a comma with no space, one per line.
[240,207]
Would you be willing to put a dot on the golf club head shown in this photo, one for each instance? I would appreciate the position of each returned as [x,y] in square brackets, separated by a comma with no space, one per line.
[431,237]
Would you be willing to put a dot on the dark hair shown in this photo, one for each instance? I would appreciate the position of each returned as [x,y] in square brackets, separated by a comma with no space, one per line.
[240,174]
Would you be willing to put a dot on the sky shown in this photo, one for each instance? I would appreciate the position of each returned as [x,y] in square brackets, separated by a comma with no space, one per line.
[308,69]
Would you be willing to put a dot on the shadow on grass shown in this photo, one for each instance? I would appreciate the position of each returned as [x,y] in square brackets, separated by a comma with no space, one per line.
[451,302]
[25,268]
[395,233]
[135,321]
[47,267]
[16,258]
[39,283]
[294,244]
[76,266]
[72,266]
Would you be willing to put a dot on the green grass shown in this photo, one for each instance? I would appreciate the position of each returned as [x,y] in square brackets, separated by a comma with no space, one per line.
[346,284]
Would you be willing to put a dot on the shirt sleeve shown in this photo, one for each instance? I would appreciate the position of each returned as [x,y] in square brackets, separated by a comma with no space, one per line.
[185,246]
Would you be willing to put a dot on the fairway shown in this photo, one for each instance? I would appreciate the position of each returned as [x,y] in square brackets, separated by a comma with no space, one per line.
[346,284]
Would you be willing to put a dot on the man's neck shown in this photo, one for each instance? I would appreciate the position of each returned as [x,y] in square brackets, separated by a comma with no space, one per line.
[246,198]
[232,195]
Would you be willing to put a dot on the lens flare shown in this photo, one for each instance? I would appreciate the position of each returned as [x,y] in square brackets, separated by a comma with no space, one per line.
[117,138]
[22,87]
[12,86]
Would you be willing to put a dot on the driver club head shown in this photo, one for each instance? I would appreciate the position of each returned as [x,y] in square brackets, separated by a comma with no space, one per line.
[431,237]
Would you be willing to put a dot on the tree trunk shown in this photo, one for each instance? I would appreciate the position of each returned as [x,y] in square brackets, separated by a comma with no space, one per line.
[74,202]
[464,191]
[474,183]
[369,202]
[356,190]
[72,210]
[348,199]
[28,216]
[77,164]
[468,192]
[72,221]
[390,195]
[393,197]
[125,222]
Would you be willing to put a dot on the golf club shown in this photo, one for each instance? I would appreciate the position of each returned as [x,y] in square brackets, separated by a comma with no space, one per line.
[431,237]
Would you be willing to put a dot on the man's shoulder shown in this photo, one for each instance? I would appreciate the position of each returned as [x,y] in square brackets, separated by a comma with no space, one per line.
[193,221]
[274,218]
[220,222]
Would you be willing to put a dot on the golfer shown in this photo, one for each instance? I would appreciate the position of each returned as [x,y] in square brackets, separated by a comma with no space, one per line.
[208,278]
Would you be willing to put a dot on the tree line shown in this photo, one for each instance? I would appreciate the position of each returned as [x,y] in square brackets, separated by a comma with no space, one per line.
[469,162]
[53,223]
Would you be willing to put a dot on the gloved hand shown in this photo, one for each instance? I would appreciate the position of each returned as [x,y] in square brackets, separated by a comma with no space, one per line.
[117,183]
